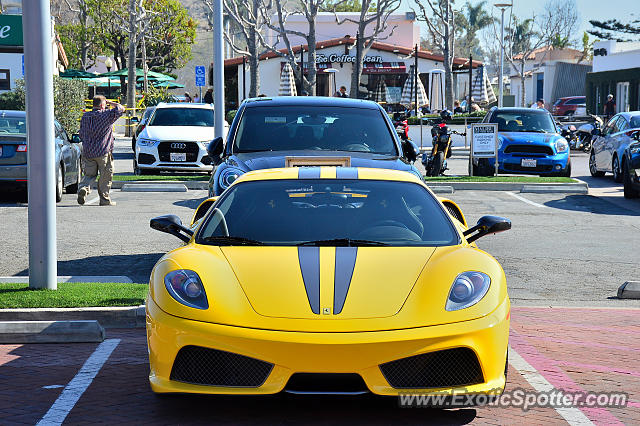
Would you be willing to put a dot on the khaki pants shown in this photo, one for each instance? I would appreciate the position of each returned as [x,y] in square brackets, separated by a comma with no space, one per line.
[93,166]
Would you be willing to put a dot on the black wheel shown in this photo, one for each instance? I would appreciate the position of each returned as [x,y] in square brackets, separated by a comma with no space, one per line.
[629,190]
[73,189]
[59,185]
[140,172]
[615,168]
[133,144]
[436,166]
[567,171]
[592,166]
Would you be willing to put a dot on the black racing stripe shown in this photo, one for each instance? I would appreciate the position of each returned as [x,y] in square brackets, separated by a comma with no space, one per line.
[345,264]
[309,258]
[308,172]
[346,173]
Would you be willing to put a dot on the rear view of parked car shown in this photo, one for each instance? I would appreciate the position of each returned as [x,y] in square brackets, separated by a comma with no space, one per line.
[631,168]
[14,154]
[609,145]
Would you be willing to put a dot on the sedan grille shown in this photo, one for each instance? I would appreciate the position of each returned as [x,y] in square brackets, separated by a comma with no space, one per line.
[528,149]
[440,369]
[204,366]
[166,148]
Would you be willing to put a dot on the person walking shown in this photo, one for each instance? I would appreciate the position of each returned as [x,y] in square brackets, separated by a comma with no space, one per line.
[96,132]
[342,93]
[609,107]
[208,97]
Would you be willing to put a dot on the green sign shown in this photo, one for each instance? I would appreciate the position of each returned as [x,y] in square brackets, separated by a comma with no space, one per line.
[11,30]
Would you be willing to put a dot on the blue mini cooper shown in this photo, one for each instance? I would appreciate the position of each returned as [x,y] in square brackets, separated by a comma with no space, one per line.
[528,142]
[294,131]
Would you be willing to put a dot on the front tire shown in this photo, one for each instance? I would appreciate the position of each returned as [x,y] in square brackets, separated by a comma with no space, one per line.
[567,171]
[592,166]
[615,168]
[629,191]
[73,189]
[437,163]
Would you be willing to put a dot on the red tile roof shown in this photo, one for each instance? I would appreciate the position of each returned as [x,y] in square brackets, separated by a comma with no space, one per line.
[400,50]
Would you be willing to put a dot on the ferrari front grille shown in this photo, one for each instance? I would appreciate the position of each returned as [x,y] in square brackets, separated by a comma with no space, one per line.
[440,369]
[211,367]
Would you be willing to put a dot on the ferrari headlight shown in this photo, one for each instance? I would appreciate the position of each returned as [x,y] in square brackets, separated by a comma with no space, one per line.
[561,145]
[186,287]
[228,176]
[467,290]
[146,142]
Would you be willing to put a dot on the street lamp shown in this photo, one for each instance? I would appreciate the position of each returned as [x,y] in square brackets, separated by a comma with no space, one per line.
[108,63]
[502,7]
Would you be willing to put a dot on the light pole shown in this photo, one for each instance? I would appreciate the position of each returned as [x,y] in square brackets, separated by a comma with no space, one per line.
[502,7]
[108,63]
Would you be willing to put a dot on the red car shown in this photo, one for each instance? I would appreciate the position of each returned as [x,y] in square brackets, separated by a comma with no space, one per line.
[568,105]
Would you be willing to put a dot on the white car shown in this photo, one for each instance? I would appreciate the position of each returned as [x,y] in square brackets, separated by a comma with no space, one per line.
[176,139]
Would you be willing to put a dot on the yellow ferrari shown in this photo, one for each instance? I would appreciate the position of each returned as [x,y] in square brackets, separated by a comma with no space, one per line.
[328,280]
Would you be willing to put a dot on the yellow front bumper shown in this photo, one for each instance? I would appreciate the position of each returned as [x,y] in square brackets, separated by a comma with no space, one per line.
[293,352]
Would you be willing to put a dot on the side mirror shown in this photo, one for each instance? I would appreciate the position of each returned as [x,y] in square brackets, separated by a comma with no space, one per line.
[203,208]
[410,150]
[134,119]
[214,149]
[487,225]
[171,224]
[75,138]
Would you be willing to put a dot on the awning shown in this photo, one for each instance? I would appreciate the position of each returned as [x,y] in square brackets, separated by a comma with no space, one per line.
[320,67]
[384,68]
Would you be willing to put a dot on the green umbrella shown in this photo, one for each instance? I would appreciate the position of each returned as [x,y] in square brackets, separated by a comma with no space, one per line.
[70,73]
[104,82]
[170,85]
[139,73]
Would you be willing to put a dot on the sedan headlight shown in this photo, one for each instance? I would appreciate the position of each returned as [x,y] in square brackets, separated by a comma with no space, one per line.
[228,176]
[467,290]
[561,145]
[146,142]
[186,287]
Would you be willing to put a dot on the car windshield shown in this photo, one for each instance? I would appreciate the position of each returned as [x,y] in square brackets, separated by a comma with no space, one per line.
[523,121]
[201,117]
[330,212]
[13,126]
[286,128]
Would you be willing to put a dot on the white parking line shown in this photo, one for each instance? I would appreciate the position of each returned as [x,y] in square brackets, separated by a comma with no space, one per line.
[79,384]
[572,415]
[521,198]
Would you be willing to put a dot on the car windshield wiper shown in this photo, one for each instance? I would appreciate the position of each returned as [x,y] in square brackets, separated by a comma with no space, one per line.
[223,240]
[342,242]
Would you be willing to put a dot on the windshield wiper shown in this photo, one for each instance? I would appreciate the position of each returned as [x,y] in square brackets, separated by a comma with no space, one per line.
[343,242]
[223,240]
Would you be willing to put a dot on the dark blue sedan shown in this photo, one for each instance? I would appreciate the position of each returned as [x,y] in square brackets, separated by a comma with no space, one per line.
[308,131]
[528,143]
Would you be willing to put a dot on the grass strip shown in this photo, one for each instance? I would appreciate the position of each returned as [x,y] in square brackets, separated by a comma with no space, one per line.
[514,179]
[72,295]
[127,178]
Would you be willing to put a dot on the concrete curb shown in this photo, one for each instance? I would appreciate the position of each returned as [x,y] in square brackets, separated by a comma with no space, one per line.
[51,332]
[569,188]
[153,187]
[75,279]
[188,184]
[108,317]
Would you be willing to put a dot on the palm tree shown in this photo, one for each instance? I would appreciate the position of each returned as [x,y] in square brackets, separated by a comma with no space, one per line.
[475,19]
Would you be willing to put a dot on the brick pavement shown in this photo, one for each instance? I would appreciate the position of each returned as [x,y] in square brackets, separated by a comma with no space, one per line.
[574,349]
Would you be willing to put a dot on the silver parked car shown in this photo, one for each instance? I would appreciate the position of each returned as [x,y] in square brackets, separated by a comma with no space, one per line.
[609,145]
[13,155]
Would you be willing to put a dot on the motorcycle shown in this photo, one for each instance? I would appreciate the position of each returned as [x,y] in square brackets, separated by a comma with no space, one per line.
[584,133]
[401,123]
[435,163]
[569,132]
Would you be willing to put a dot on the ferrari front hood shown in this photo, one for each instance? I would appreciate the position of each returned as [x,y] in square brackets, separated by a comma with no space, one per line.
[327,282]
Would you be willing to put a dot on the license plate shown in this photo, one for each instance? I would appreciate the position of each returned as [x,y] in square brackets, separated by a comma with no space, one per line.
[180,156]
[526,162]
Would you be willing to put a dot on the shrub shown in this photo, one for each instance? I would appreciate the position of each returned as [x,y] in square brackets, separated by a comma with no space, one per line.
[155,95]
[231,115]
[68,101]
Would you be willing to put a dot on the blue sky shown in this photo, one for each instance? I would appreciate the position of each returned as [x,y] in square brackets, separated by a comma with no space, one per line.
[587,9]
